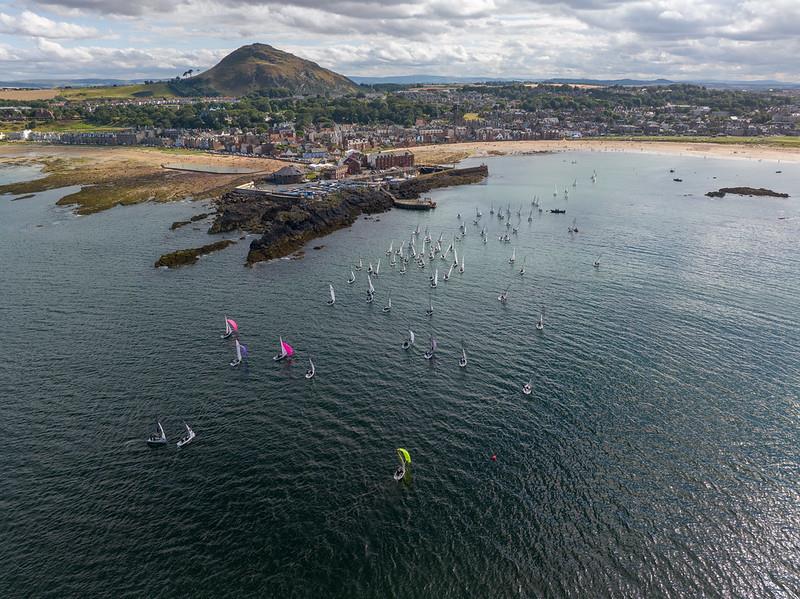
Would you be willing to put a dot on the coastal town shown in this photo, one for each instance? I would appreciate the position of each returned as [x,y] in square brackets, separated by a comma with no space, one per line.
[320,136]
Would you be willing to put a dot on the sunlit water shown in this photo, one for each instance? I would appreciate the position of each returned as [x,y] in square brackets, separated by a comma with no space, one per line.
[657,454]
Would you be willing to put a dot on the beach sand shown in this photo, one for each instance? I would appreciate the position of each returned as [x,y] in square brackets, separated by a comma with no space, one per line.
[442,154]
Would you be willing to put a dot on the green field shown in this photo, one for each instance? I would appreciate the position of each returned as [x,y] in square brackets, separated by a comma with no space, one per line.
[57,126]
[781,141]
[142,90]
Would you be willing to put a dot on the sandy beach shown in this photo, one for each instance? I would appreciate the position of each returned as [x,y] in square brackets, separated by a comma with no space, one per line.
[454,152]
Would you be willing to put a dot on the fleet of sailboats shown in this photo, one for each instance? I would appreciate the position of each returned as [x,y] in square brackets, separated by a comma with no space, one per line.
[430,250]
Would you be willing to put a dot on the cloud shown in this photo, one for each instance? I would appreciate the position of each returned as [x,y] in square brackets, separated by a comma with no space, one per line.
[514,38]
[30,24]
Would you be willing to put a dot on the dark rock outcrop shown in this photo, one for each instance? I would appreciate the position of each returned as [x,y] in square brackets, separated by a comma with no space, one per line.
[190,256]
[286,225]
[746,191]
[182,223]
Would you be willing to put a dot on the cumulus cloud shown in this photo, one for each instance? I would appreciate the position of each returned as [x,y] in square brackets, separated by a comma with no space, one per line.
[30,24]
[713,39]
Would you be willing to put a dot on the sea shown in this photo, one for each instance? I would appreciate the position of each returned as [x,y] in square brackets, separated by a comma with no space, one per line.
[656,456]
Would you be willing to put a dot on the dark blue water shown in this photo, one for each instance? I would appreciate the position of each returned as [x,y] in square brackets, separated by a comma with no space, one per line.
[656,456]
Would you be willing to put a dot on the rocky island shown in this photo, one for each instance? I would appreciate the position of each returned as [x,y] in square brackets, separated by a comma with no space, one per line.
[746,191]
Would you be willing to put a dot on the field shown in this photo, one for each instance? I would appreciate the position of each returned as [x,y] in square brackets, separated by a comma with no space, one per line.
[142,90]
[26,95]
[76,126]
[779,141]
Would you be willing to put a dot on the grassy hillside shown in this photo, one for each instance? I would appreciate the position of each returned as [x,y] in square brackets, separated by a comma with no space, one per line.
[261,67]
[142,90]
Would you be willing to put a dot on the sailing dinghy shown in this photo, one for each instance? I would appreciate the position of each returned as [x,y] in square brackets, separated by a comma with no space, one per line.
[540,324]
[370,290]
[503,297]
[463,361]
[241,353]
[405,458]
[432,350]
[230,328]
[331,301]
[158,437]
[410,341]
[360,265]
[527,388]
[311,370]
[352,278]
[286,351]
[388,306]
[187,438]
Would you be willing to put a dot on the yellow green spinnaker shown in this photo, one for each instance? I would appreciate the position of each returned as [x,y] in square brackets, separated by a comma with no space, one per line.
[404,455]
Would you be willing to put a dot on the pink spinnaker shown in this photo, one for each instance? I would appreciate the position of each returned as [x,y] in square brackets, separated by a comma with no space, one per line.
[233,324]
[287,349]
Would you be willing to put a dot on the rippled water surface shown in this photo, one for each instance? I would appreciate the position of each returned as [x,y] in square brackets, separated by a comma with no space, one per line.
[657,454]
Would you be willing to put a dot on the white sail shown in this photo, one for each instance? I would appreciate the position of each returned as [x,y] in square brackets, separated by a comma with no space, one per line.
[455,256]
[371,288]
[378,267]
[461,268]
[449,272]
[411,336]
[238,351]
[280,346]
[227,327]
[436,277]
[333,295]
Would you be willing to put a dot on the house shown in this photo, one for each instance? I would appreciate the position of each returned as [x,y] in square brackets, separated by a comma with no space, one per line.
[354,162]
[287,175]
[334,172]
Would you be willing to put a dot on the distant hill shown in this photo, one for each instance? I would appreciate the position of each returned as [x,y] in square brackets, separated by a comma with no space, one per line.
[425,79]
[262,67]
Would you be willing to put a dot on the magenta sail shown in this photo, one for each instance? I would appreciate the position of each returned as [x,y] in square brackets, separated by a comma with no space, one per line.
[233,324]
[287,349]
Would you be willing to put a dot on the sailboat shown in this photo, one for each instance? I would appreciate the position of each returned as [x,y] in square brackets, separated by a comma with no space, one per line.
[311,370]
[370,269]
[331,301]
[410,341]
[463,361]
[241,353]
[429,311]
[378,268]
[388,305]
[455,257]
[432,350]
[230,328]
[352,278]
[286,351]
[391,248]
[540,324]
[503,297]
[573,228]
[491,209]
[370,290]
[187,438]
[597,262]
[530,216]
[461,268]
[360,265]
[513,257]
[448,273]
[478,213]
[402,270]
[435,281]
[527,388]
[555,192]
[575,183]
[405,458]
[158,437]
[522,270]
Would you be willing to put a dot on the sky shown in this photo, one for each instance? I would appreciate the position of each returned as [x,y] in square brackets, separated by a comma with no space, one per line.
[536,39]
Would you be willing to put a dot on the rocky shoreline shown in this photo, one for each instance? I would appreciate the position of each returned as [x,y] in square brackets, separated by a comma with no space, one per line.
[286,224]
[190,255]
